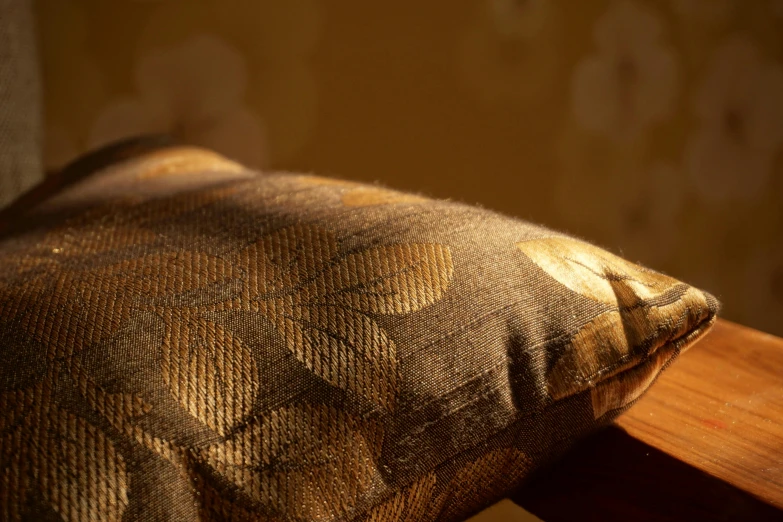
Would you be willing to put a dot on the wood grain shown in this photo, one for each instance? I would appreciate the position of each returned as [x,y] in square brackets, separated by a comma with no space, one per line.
[720,409]
[705,443]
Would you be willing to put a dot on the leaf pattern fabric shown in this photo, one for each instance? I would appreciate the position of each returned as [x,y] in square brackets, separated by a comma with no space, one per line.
[477,481]
[593,272]
[321,302]
[53,453]
[210,372]
[265,349]
[625,335]
[309,460]
[409,505]
[357,195]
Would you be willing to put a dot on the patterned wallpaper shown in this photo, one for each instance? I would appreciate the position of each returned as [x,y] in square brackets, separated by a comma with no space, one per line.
[653,127]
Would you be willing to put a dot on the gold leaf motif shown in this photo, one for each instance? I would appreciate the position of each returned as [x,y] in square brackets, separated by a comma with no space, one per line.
[14,405]
[306,461]
[78,470]
[358,195]
[480,482]
[209,370]
[68,460]
[592,271]
[216,508]
[597,348]
[13,478]
[160,275]
[346,349]
[181,161]
[106,298]
[320,301]
[123,222]
[301,461]
[620,339]
[373,196]
[99,239]
[327,182]
[14,487]
[628,386]
[625,336]
[23,266]
[117,408]
[287,258]
[395,279]
[407,505]
[96,231]
[49,304]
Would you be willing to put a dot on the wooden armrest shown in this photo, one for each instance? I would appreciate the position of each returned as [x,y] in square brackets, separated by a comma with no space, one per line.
[705,443]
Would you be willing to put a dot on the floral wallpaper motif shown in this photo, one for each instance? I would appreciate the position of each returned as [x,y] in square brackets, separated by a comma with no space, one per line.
[653,127]
[630,81]
[189,68]
[703,11]
[194,90]
[739,105]
[509,39]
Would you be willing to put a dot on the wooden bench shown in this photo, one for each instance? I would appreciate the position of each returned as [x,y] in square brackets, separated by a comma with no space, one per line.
[705,443]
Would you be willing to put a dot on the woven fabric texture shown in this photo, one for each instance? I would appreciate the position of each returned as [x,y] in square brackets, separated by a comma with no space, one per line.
[20,101]
[183,339]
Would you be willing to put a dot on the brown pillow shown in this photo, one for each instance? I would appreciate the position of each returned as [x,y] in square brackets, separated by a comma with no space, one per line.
[183,339]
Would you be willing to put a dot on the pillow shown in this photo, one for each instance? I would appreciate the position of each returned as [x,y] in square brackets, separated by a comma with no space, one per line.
[183,339]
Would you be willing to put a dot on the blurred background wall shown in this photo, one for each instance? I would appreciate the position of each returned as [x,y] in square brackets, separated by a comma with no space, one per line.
[652,127]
